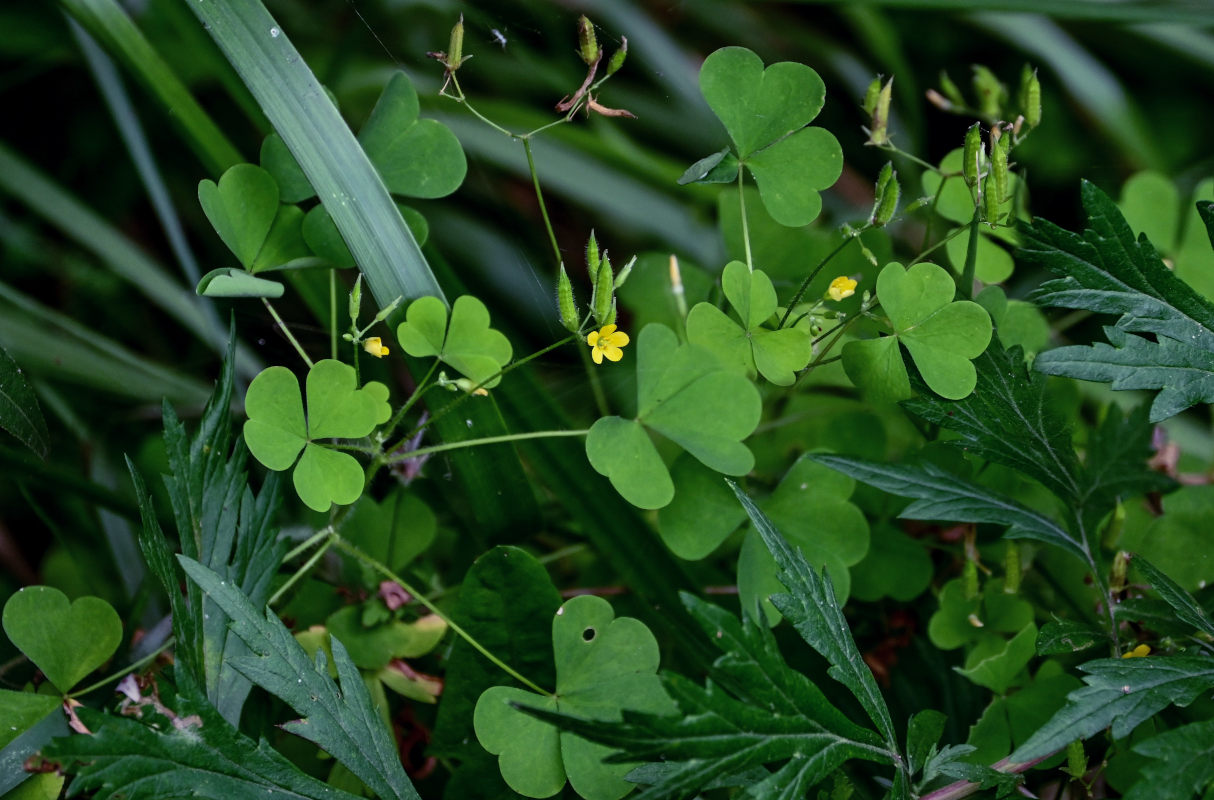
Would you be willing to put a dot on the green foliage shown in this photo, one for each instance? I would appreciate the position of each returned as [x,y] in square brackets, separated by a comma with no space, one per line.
[941,336]
[1106,270]
[277,432]
[1182,763]
[765,112]
[777,355]
[66,640]
[19,411]
[468,344]
[603,665]
[688,396]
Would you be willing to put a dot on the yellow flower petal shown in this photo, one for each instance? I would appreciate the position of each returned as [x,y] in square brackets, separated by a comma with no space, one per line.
[593,338]
[606,341]
[1141,651]
[375,347]
[597,355]
[840,288]
[613,353]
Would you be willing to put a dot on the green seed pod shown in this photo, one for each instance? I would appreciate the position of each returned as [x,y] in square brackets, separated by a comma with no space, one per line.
[990,199]
[1030,97]
[612,314]
[888,191]
[356,299]
[950,90]
[592,258]
[1113,528]
[617,58]
[969,579]
[1000,147]
[455,50]
[588,43]
[971,160]
[1011,568]
[565,302]
[1076,759]
[879,130]
[991,92]
[387,310]
[624,273]
[1121,563]
[870,96]
[603,292]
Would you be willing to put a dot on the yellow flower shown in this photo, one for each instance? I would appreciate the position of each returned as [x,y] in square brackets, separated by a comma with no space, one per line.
[606,341]
[1140,651]
[375,347]
[841,287]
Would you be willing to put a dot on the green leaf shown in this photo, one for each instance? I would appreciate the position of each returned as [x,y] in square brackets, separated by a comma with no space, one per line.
[1106,270]
[1178,541]
[941,336]
[276,159]
[65,640]
[373,646]
[702,514]
[468,344]
[684,394]
[1061,636]
[284,246]
[276,431]
[896,566]
[195,753]
[758,106]
[22,711]
[720,167]
[19,411]
[232,282]
[791,173]
[995,610]
[341,721]
[775,354]
[1120,693]
[811,509]
[603,665]
[393,531]
[756,711]
[996,662]
[1182,763]
[241,208]
[811,607]
[1183,603]
[506,602]
[922,734]
[941,495]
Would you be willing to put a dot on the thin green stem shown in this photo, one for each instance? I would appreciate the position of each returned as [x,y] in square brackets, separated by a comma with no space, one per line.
[796,298]
[506,437]
[410,401]
[750,264]
[287,332]
[460,97]
[596,386]
[306,567]
[138,665]
[306,544]
[345,546]
[966,289]
[333,320]
[539,196]
[953,234]
[893,148]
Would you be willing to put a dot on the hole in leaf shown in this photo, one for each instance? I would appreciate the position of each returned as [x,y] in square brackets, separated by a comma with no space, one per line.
[588,635]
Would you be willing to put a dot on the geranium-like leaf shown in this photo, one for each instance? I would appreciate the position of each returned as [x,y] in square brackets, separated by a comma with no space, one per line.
[65,640]
[603,665]
[942,336]
[415,157]
[765,112]
[775,354]
[1181,766]
[276,430]
[241,208]
[468,344]
[1106,270]
[685,394]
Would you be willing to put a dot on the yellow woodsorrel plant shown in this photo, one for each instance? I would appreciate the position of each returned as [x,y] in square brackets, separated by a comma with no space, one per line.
[502,519]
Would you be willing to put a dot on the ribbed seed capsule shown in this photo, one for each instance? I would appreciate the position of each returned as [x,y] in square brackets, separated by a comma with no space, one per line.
[972,154]
[1030,97]
[1076,759]
[1000,147]
[588,43]
[969,579]
[888,191]
[455,49]
[565,302]
[879,128]
[592,259]
[603,292]
[617,58]
[870,96]
[356,299]
[950,90]
[990,199]
[990,90]
[1011,568]
[624,273]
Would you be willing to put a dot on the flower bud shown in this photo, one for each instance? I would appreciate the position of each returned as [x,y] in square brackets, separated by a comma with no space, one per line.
[971,160]
[990,199]
[564,301]
[1000,147]
[356,299]
[624,273]
[950,90]
[592,258]
[603,293]
[617,58]
[886,202]
[1030,97]
[588,44]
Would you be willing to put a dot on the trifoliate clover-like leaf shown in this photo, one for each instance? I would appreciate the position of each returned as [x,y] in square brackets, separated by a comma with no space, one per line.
[244,210]
[942,336]
[765,112]
[603,665]
[277,431]
[685,394]
[775,354]
[468,343]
